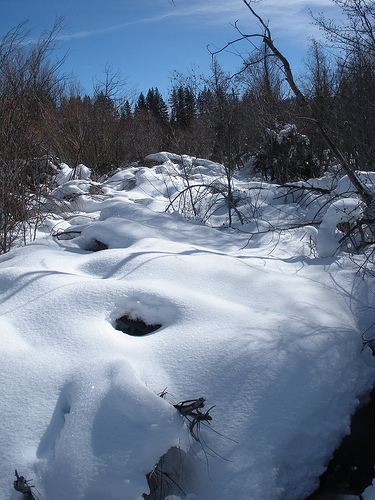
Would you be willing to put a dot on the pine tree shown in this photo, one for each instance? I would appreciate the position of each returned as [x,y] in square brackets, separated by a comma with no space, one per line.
[156,106]
[204,101]
[126,111]
[141,104]
[183,106]
[104,104]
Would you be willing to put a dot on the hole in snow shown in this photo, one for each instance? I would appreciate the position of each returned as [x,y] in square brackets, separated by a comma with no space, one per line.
[167,477]
[96,246]
[135,327]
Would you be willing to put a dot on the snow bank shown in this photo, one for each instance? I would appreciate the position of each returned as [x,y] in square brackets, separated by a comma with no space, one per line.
[344,210]
[346,188]
[268,336]
[65,173]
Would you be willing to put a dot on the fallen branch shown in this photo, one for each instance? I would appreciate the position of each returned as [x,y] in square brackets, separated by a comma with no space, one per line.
[190,409]
[66,235]
[368,342]
[21,485]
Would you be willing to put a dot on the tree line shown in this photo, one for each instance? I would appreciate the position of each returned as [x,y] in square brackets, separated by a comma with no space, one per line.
[222,117]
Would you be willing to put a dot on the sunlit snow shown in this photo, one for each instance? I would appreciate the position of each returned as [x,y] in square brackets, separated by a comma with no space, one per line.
[266,328]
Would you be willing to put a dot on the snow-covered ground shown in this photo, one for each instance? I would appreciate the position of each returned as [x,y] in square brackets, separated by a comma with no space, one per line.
[266,328]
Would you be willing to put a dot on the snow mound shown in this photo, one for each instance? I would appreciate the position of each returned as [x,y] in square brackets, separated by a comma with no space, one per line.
[346,188]
[65,173]
[268,335]
[344,210]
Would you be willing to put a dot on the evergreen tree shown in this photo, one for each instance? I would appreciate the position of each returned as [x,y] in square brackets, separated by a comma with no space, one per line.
[103,104]
[156,106]
[204,101]
[141,104]
[183,104]
[126,111]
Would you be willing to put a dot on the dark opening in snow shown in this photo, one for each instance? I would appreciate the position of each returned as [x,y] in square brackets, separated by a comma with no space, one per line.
[135,327]
[96,246]
[351,469]
[167,478]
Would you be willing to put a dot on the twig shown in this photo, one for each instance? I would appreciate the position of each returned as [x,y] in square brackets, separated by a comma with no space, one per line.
[21,485]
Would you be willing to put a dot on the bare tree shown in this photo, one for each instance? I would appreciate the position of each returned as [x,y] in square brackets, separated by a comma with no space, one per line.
[264,37]
[353,40]
[355,35]
[29,87]
[112,85]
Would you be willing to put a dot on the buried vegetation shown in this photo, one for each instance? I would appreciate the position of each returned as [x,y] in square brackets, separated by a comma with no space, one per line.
[166,478]
[134,327]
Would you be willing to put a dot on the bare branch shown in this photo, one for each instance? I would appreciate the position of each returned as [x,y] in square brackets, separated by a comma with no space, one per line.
[301,99]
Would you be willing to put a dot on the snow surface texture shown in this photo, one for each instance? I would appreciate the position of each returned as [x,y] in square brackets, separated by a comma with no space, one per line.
[265,329]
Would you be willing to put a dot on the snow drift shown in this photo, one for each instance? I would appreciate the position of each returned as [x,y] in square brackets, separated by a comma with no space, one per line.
[263,329]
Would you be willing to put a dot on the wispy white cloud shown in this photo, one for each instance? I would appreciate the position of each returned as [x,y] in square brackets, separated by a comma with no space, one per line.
[286,18]
[287,15]
[102,31]
[204,12]
[291,18]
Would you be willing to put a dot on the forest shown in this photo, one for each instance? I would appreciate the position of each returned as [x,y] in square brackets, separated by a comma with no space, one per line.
[187,280]
[46,119]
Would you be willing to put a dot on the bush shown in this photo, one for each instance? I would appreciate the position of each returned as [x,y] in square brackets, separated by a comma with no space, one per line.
[286,156]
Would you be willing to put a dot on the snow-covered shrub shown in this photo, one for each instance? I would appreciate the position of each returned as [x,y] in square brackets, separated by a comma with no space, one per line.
[24,197]
[286,155]
[64,173]
[340,218]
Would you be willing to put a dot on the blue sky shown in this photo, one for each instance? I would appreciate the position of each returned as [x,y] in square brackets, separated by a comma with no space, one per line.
[146,40]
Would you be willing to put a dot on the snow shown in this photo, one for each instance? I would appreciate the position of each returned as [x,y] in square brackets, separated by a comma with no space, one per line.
[346,188]
[286,132]
[343,210]
[262,327]
[65,173]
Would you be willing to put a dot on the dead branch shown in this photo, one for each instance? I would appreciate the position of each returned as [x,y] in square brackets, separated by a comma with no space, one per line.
[190,409]
[186,407]
[66,235]
[266,38]
[21,485]
[307,188]
[163,393]
[368,342]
